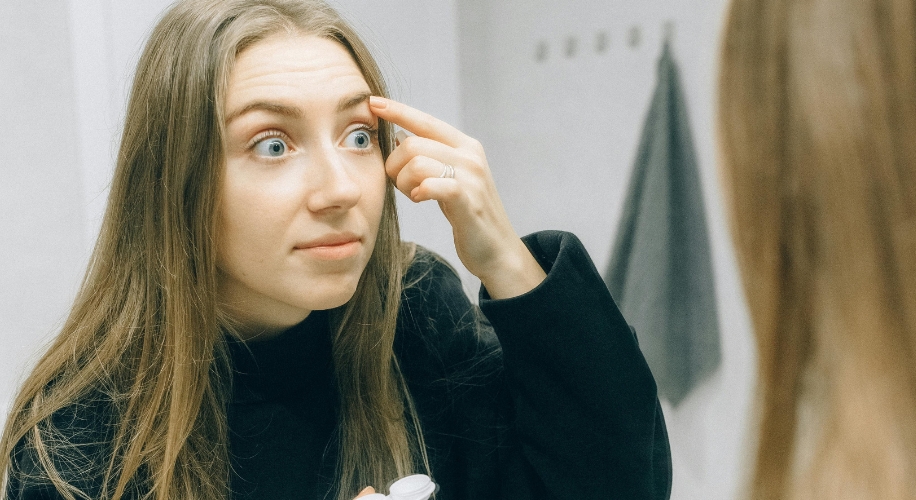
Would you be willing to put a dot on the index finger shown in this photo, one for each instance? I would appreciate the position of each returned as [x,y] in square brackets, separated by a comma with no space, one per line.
[416,121]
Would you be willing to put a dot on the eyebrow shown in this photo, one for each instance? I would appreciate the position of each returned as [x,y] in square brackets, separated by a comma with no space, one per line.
[345,104]
[352,101]
[270,107]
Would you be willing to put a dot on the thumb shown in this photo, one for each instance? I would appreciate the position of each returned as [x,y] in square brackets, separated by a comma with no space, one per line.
[368,490]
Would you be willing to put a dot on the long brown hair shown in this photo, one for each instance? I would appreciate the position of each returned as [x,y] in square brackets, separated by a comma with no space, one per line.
[146,333]
[817,117]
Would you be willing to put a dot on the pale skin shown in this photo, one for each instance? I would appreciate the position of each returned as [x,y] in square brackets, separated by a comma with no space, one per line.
[484,238]
[368,491]
[304,185]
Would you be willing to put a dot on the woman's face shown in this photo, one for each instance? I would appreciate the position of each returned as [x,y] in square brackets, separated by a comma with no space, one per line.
[304,184]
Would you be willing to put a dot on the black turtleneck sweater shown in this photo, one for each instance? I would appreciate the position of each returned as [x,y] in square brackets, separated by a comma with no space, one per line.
[542,396]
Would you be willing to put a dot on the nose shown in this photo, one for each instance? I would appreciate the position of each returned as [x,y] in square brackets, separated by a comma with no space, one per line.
[331,181]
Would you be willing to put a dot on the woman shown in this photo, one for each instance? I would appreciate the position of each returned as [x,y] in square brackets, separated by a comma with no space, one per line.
[252,326]
[818,120]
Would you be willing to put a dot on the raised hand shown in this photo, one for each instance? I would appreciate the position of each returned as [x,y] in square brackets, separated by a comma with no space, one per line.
[441,163]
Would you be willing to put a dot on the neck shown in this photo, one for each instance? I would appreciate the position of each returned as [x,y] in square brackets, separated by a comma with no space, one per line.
[256,328]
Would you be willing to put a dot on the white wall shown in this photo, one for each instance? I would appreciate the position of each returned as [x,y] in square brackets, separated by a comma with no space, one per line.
[106,37]
[42,216]
[64,79]
[561,133]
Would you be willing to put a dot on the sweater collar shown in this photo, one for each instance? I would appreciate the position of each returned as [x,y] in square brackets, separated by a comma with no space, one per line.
[294,363]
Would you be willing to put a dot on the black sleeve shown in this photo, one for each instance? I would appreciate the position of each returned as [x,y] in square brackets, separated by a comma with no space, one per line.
[544,396]
[587,417]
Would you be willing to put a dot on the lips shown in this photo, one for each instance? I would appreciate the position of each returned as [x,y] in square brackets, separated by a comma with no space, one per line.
[332,246]
[330,240]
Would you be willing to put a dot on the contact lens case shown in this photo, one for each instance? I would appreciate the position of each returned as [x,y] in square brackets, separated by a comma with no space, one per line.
[413,487]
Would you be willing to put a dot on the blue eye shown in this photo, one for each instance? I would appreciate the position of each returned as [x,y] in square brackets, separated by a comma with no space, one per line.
[273,147]
[358,139]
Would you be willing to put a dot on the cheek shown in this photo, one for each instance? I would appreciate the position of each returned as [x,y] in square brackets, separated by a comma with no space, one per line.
[374,190]
[234,230]
[251,219]
[375,180]
[236,222]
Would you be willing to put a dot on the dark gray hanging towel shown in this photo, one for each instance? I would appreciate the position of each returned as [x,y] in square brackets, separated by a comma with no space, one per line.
[660,272]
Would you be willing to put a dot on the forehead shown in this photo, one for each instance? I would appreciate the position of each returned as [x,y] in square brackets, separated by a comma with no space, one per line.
[293,67]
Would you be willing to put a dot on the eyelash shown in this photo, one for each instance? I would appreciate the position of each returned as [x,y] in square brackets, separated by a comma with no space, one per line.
[373,135]
[269,134]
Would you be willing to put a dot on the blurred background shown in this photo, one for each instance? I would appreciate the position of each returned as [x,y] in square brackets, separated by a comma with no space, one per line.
[557,92]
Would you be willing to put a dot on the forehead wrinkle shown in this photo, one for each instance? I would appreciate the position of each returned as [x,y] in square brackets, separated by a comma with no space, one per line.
[277,74]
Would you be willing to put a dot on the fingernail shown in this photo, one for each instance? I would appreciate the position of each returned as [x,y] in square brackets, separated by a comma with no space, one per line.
[413,193]
[399,137]
[377,102]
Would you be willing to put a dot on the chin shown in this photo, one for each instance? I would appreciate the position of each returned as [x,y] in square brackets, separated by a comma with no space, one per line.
[331,298]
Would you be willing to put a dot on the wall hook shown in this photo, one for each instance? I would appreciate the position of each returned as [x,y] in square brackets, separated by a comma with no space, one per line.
[542,51]
[601,42]
[635,37]
[571,47]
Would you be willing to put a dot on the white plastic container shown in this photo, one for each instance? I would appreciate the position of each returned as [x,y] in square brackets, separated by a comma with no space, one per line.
[413,487]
